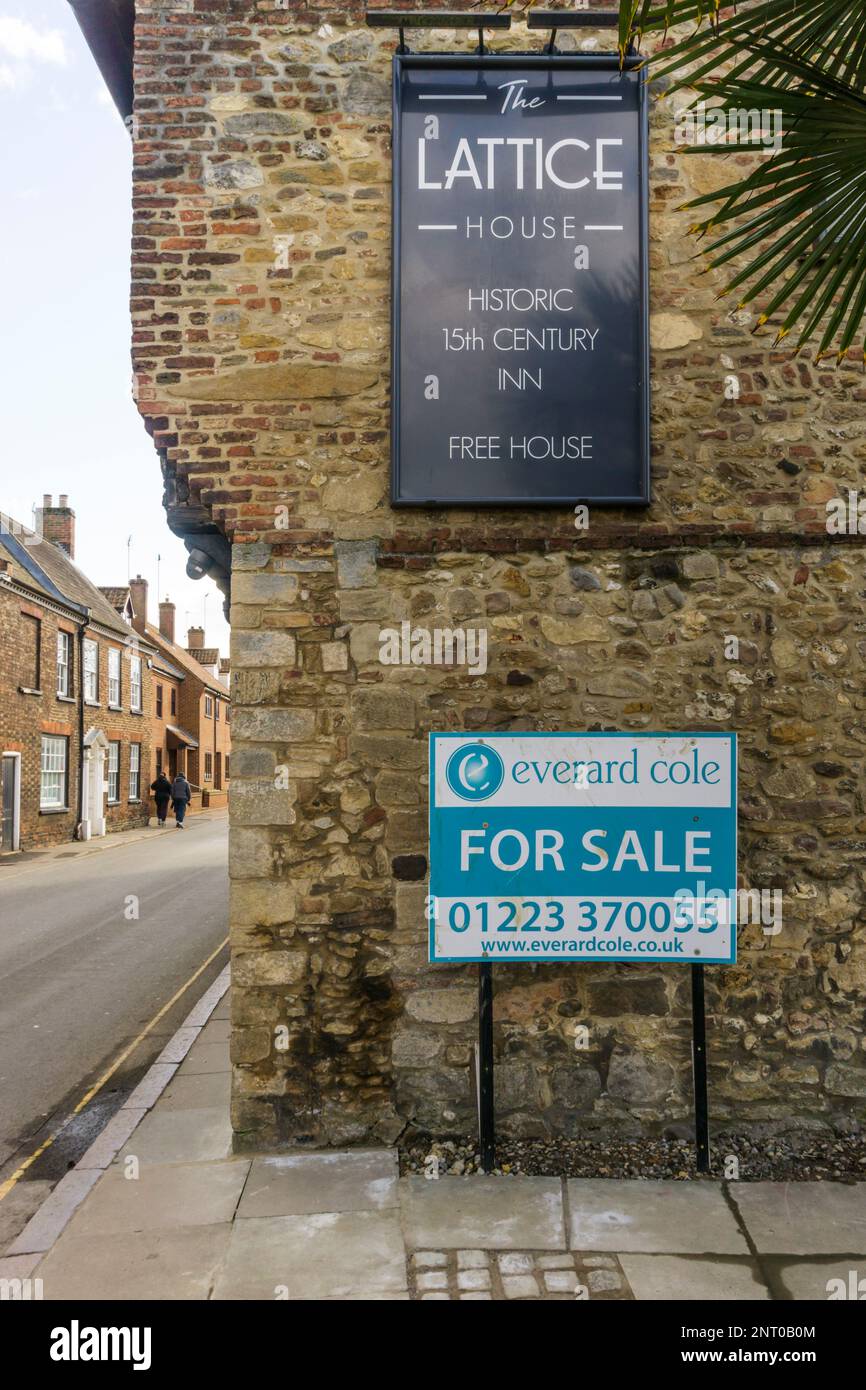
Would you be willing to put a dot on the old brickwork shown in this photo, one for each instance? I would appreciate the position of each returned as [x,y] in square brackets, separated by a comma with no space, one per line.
[27,712]
[266,391]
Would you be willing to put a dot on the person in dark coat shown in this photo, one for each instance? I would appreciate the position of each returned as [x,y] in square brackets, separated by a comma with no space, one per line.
[161,789]
[181,796]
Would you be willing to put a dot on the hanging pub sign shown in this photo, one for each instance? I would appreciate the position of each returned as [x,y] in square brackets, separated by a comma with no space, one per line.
[520,319]
[548,848]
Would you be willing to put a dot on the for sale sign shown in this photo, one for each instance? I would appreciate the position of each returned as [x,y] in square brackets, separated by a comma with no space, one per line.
[583,847]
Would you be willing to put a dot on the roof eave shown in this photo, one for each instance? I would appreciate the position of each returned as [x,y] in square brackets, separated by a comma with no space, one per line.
[108,27]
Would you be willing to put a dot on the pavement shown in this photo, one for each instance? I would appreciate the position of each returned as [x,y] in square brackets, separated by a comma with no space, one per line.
[100,946]
[161,1208]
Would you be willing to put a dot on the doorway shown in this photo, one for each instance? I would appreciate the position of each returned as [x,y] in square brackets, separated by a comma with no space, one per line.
[94,786]
[10,802]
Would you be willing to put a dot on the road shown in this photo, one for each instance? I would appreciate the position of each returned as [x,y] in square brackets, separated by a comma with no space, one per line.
[90,950]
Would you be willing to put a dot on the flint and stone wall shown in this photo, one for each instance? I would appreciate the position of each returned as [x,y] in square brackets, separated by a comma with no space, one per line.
[266,391]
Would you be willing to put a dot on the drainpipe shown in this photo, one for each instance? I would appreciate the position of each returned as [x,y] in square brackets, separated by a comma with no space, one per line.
[82,628]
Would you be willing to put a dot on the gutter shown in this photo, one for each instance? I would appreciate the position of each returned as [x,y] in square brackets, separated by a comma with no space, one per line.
[108,27]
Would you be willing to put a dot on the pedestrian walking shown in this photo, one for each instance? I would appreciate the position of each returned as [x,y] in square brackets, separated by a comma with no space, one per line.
[161,789]
[181,796]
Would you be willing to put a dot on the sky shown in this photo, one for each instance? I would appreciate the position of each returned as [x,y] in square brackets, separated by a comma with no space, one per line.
[69,423]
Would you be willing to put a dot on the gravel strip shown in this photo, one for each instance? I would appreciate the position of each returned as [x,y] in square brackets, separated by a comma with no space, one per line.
[782,1158]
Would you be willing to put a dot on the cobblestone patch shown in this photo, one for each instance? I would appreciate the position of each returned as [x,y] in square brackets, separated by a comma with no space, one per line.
[506,1275]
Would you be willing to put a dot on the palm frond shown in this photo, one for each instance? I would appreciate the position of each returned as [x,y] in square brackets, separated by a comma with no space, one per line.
[801,212]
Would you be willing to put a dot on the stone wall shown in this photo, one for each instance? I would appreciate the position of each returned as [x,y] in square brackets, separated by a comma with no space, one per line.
[262,373]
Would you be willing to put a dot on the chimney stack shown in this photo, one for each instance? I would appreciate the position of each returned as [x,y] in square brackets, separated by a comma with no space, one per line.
[138,589]
[166,620]
[57,524]
[195,638]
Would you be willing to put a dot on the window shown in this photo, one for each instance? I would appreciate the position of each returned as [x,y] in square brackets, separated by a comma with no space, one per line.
[52,791]
[31,664]
[91,671]
[208,766]
[158,761]
[135,683]
[216,709]
[159,702]
[228,714]
[114,677]
[208,707]
[227,767]
[134,771]
[64,663]
[113,772]
[173,701]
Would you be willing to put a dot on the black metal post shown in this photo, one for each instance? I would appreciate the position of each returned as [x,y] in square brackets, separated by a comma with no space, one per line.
[699,1068]
[486,1136]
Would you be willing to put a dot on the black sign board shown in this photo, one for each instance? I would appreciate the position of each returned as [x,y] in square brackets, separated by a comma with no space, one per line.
[520,320]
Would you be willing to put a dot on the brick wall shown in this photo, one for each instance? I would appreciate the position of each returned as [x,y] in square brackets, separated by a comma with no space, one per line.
[28,713]
[266,392]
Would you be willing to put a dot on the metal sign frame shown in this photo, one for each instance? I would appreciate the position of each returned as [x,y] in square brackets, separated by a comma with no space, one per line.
[542,61]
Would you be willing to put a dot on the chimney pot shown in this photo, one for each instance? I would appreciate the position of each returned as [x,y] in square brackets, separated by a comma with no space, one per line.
[57,524]
[166,620]
[138,590]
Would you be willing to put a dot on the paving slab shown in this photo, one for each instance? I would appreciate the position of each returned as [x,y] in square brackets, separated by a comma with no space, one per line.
[18,1266]
[218,1030]
[693,1278]
[180,1264]
[658,1217]
[181,1136]
[804,1218]
[214,1003]
[323,1255]
[162,1197]
[44,1227]
[205,1057]
[299,1184]
[19,1205]
[833,1280]
[104,1148]
[151,1086]
[479,1212]
[202,1091]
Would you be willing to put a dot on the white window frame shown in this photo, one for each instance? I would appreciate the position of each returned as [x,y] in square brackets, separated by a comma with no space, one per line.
[135,684]
[113,773]
[208,707]
[114,686]
[90,663]
[64,664]
[54,764]
[135,772]
[208,767]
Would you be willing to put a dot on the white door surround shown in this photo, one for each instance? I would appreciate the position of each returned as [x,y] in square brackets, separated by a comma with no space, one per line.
[93,784]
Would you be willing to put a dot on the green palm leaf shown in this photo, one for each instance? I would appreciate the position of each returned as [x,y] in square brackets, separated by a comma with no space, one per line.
[793,230]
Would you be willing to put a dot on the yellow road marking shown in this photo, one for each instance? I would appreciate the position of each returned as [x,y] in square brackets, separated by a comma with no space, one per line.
[10,1182]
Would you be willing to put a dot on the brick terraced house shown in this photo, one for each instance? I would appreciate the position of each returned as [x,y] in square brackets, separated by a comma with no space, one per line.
[75,694]
[191,704]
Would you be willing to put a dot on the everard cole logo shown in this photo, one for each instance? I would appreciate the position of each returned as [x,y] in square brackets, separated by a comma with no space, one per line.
[474,772]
